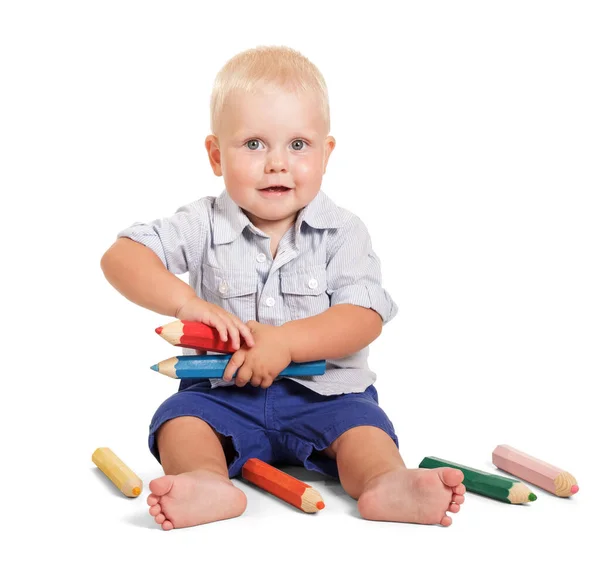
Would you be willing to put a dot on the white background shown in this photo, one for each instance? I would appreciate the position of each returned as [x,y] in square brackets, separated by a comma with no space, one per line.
[468,142]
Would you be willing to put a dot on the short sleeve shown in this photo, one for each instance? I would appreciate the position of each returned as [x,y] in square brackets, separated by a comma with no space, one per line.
[176,240]
[354,271]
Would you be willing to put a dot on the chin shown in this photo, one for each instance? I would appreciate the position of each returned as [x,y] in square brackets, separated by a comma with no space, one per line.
[271,214]
[276,216]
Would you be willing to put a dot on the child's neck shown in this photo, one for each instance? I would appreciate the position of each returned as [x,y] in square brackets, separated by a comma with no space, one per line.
[274,229]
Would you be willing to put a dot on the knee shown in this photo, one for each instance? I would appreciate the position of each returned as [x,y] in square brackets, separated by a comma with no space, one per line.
[363,434]
[185,426]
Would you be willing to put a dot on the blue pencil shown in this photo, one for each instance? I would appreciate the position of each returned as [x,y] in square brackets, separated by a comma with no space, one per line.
[213,366]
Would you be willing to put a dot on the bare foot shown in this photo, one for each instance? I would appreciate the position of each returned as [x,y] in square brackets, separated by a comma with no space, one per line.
[194,498]
[413,496]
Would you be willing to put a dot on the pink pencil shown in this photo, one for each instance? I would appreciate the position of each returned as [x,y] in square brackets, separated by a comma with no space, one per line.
[534,471]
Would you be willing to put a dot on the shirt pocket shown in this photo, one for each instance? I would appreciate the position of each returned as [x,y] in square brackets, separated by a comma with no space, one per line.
[233,290]
[304,291]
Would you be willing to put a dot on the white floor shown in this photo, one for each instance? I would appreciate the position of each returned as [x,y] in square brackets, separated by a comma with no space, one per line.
[88,520]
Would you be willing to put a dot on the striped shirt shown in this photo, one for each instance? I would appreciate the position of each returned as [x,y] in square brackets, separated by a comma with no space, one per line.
[323,260]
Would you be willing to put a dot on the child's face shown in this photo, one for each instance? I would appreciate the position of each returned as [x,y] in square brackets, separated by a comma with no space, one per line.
[273,138]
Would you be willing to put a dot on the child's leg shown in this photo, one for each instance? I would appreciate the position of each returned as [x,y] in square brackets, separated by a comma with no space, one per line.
[196,488]
[372,471]
[188,443]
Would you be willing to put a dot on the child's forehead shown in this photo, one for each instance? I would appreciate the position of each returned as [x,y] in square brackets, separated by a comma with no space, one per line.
[275,108]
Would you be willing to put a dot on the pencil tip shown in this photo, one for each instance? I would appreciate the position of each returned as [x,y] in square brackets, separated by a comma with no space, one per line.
[574,489]
[320,505]
[159,330]
[154,367]
[532,497]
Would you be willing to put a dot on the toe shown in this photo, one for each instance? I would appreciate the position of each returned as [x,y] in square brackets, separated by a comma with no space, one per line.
[160,518]
[451,477]
[453,508]
[167,525]
[446,521]
[154,510]
[460,499]
[460,489]
[152,499]
[161,486]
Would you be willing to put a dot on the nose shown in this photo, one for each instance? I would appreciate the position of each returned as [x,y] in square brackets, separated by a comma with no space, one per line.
[276,162]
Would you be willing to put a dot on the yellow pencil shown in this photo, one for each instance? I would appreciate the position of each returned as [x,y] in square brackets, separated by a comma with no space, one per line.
[117,471]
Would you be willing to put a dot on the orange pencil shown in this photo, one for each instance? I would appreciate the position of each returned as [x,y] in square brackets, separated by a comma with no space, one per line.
[282,485]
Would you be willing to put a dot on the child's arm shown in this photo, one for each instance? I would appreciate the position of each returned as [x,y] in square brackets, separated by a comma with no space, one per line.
[340,331]
[137,273]
[359,304]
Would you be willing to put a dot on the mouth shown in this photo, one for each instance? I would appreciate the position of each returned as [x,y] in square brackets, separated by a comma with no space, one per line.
[272,189]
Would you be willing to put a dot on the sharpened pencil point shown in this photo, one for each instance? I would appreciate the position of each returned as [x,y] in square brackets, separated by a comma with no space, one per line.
[159,330]
[320,505]
[532,497]
[574,489]
[154,367]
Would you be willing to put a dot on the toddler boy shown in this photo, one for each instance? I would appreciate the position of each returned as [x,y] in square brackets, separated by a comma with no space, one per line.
[275,266]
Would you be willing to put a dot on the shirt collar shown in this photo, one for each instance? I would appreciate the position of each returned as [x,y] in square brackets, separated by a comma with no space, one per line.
[230,220]
[320,213]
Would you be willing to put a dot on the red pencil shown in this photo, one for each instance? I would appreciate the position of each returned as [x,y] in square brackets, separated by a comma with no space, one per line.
[194,335]
[282,485]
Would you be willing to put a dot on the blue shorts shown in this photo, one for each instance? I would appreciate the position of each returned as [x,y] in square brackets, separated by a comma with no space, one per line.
[286,423]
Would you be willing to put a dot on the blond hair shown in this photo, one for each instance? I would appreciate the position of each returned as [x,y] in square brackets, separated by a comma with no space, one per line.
[261,69]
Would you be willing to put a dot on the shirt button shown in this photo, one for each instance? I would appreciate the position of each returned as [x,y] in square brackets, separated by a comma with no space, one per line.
[312,283]
[223,287]
[270,302]
[261,257]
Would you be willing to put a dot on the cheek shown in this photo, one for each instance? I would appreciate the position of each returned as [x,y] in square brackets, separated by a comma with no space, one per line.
[308,168]
[240,168]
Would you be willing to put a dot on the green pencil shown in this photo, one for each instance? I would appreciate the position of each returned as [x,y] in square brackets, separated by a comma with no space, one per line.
[483,483]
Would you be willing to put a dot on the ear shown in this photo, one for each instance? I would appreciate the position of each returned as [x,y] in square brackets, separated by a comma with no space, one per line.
[329,147]
[214,154]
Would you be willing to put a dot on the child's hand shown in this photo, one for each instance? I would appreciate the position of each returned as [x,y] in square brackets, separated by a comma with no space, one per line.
[224,322]
[261,364]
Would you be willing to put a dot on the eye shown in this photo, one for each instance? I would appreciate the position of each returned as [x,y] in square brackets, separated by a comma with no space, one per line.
[253,144]
[298,144]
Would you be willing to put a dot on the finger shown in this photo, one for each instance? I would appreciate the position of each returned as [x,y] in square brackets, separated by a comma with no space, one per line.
[216,322]
[243,376]
[236,360]
[234,333]
[256,380]
[246,333]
